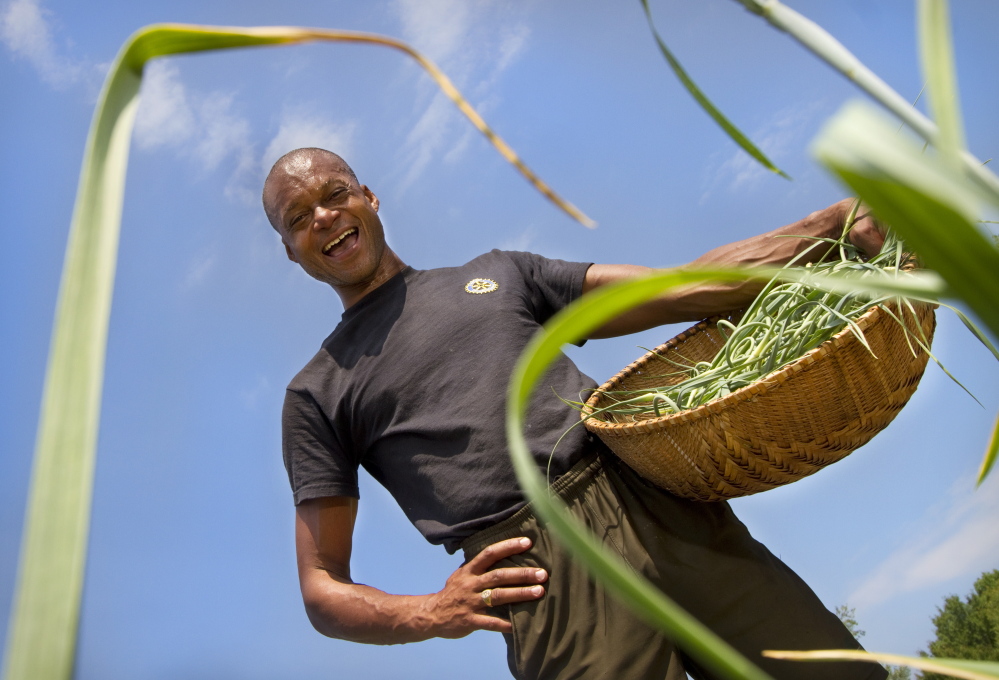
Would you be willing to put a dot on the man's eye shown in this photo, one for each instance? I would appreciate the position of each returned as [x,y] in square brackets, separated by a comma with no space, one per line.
[296,220]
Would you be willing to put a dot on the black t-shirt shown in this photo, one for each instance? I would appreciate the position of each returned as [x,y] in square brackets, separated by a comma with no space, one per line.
[412,383]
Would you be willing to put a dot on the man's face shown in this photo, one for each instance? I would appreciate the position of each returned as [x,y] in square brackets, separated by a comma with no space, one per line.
[328,222]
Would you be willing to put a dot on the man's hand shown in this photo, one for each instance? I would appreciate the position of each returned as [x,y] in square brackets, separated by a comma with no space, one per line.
[460,607]
[867,234]
[340,608]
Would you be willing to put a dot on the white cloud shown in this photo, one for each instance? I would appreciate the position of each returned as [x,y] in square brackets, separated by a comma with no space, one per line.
[439,27]
[785,132]
[301,129]
[24,29]
[511,45]
[521,241]
[474,43]
[296,129]
[200,126]
[251,397]
[198,270]
[433,129]
[165,115]
[959,538]
[223,133]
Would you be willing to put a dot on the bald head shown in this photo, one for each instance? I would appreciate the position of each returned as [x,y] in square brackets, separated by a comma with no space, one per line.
[299,163]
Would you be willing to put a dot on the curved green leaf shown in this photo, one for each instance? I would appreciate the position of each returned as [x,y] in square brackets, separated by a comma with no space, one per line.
[731,130]
[931,205]
[577,321]
[937,56]
[991,453]
[817,40]
[572,323]
[42,634]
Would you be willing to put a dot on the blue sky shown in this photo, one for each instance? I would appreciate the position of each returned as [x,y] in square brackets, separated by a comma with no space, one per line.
[191,568]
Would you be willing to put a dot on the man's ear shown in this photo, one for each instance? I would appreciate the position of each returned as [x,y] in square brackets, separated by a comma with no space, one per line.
[291,255]
[370,195]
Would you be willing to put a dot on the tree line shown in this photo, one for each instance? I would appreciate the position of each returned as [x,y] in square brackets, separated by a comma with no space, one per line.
[963,628]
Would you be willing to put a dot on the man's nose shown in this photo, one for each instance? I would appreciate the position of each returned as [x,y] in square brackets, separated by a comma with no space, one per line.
[323,218]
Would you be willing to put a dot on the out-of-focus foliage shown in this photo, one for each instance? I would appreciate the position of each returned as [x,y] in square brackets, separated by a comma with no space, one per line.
[968,628]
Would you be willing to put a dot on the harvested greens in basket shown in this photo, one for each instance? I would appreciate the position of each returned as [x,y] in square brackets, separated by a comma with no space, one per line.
[784,322]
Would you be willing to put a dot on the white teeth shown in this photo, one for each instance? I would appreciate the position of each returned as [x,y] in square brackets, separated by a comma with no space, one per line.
[329,246]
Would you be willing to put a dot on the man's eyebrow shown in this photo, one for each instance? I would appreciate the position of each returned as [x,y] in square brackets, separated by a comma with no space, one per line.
[338,181]
[295,205]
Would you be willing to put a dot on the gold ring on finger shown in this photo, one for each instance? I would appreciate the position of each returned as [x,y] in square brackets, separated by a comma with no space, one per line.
[487,596]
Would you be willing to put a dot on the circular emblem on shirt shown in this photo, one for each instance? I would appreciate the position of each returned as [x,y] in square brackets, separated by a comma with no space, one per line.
[480,286]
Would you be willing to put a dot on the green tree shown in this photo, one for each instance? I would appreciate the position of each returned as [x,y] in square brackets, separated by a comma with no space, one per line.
[848,616]
[968,629]
[899,673]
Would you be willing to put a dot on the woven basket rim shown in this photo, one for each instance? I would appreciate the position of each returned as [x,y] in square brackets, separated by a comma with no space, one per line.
[843,338]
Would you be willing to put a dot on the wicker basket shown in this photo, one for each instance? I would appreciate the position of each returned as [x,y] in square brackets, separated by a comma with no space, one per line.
[813,412]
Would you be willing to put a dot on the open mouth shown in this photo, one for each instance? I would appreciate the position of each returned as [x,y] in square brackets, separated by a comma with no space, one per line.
[340,242]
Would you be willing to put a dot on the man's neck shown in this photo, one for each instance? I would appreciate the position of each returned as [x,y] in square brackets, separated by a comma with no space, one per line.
[389,267]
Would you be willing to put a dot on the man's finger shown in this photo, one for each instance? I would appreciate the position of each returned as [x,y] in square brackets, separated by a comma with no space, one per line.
[492,554]
[510,576]
[510,595]
[494,623]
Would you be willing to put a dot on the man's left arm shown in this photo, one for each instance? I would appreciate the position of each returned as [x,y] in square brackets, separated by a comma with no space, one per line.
[703,300]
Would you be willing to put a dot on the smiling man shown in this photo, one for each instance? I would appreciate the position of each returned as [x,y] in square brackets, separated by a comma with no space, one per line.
[405,387]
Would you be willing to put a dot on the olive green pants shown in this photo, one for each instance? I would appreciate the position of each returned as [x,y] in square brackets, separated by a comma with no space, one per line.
[697,553]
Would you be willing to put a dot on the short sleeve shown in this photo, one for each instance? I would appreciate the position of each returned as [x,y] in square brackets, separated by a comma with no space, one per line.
[317,464]
[553,284]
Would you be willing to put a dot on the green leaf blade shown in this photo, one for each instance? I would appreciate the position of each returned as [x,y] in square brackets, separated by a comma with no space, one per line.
[731,130]
[44,620]
[570,324]
[42,633]
[991,453]
[817,40]
[937,56]
[161,40]
[931,205]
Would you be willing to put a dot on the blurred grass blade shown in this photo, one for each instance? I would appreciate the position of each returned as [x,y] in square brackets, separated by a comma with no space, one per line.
[937,56]
[577,321]
[572,323]
[991,453]
[817,40]
[42,633]
[976,331]
[955,668]
[731,130]
[165,39]
[41,637]
[921,285]
[930,204]
[820,42]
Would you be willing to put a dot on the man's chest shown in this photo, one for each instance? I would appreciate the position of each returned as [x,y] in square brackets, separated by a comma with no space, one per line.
[449,348]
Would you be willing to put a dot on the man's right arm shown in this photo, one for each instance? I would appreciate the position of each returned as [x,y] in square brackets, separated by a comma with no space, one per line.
[340,608]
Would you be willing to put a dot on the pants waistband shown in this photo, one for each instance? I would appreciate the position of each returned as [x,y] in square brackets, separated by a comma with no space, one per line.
[567,487]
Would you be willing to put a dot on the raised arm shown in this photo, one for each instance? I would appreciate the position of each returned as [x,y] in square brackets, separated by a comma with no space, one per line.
[340,608]
[699,302]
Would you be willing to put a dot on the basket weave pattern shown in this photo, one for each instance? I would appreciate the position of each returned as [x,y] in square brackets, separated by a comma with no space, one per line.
[813,412]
